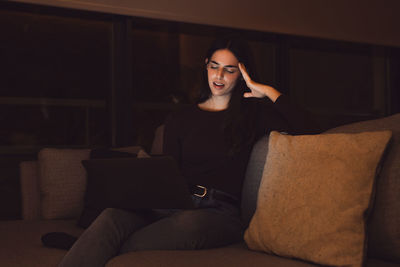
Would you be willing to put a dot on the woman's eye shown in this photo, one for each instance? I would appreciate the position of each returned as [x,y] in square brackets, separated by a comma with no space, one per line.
[230,70]
[214,67]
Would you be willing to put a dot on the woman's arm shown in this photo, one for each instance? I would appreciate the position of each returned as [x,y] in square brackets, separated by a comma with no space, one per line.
[289,118]
[257,89]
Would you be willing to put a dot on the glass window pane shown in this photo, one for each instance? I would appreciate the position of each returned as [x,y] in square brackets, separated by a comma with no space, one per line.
[192,53]
[54,56]
[264,54]
[334,80]
[34,126]
[155,64]
[149,120]
[99,125]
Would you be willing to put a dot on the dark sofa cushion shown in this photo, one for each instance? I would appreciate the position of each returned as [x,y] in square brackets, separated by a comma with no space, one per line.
[252,180]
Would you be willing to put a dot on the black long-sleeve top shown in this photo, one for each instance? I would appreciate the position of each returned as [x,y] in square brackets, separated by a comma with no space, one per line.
[195,138]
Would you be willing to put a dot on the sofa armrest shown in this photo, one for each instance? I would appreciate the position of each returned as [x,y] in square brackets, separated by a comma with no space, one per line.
[30,195]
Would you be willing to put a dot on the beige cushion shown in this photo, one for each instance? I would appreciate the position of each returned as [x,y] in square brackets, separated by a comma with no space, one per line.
[313,195]
[62,180]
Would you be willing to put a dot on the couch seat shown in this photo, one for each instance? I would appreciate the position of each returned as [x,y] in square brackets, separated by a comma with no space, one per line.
[21,245]
[234,255]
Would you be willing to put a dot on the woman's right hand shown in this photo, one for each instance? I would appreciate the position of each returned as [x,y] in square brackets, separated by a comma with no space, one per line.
[257,89]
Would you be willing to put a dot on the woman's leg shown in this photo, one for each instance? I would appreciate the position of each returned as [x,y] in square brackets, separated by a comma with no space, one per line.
[188,229]
[103,239]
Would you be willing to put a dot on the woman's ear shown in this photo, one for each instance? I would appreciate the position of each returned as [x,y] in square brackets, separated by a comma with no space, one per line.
[206,61]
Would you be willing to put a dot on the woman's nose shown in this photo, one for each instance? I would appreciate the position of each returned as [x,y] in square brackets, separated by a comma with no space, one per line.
[220,73]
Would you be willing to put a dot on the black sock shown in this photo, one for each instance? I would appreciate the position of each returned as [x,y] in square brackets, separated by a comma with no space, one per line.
[58,240]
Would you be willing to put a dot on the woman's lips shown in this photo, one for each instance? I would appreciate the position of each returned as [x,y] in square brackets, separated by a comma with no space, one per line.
[218,85]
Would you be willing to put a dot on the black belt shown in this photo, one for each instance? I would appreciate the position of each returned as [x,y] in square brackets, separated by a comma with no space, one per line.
[203,192]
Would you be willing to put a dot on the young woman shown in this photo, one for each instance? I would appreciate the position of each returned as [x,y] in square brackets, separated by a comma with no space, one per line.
[211,141]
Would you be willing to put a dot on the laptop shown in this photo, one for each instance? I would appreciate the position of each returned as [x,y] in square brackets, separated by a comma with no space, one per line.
[136,184]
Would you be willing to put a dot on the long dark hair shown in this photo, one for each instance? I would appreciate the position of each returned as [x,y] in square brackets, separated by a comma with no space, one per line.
[239,123]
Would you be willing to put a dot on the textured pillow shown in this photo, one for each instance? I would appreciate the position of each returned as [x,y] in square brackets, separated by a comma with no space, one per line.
[384,223]
[314,194]
[62,180]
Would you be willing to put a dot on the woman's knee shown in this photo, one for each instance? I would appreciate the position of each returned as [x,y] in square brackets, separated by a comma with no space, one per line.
[179,231]
[206,229]
[189,229]
[109,215]
[117,218]
[108,212]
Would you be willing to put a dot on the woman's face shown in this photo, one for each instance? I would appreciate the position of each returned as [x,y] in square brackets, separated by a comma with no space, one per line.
[223,72]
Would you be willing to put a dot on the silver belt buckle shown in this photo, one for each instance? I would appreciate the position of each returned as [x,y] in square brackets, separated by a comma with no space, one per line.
[204,191]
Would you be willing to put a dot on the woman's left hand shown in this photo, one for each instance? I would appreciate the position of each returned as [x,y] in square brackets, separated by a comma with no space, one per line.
[257,89]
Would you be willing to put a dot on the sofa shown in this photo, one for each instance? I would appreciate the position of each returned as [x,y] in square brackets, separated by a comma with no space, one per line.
[43,212]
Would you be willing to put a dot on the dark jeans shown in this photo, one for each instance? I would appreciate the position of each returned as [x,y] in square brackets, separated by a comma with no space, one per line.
[213,223]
